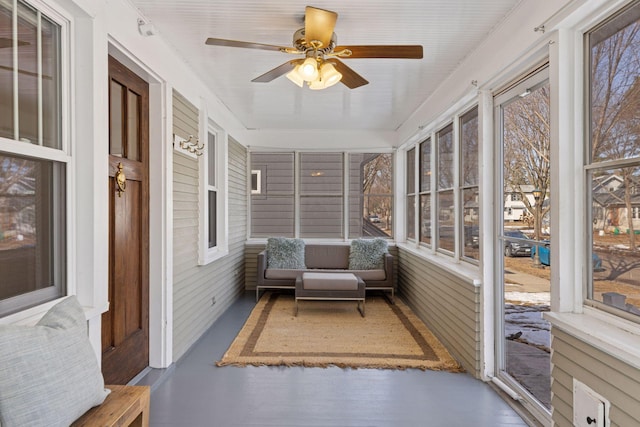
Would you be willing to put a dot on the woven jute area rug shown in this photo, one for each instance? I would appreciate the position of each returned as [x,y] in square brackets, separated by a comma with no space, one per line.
[329,333]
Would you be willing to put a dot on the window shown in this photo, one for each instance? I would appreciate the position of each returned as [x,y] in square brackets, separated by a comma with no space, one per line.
[425,191]
[469,184]
[311,195]
[212,192]
[256,181]
[33,158]
[370,195]
[614,156]
[213,197]
[452,198]
[411,194]
[445,183]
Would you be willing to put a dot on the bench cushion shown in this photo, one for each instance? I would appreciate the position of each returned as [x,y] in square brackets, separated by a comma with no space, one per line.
[275,273]
[49,373]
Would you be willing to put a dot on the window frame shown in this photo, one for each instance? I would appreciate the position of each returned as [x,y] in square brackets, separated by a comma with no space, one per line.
[464,187]
[445,190]
[298,194]
[427,192]
[62,203]
[412,219]
[592,166]
[207,254]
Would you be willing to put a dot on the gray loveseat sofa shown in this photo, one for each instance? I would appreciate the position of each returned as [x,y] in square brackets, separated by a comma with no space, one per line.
[324,258]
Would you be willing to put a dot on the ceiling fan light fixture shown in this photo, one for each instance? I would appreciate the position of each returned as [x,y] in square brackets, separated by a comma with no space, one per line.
[329,75]
[317,85]
[295,76]
[308,70]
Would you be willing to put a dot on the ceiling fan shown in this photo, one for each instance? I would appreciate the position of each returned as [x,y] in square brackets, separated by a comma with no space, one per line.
[320,68]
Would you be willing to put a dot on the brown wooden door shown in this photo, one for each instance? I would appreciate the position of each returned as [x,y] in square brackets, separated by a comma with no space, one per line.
[125,327]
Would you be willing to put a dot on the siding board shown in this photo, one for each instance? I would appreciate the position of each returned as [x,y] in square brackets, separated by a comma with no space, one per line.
[615,380]
[195,286]
[449,305]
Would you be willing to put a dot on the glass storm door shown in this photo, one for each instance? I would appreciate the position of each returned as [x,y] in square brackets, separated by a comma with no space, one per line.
[522,252]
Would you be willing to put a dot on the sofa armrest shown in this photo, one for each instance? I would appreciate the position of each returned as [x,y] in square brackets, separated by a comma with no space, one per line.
[262,266]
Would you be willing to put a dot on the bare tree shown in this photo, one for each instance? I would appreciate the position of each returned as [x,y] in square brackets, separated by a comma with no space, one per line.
[615,97]
[526,149]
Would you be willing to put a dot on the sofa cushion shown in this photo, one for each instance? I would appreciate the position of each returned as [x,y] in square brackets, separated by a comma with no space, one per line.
[327,256]
[367,254]
[285,253]
[49,373]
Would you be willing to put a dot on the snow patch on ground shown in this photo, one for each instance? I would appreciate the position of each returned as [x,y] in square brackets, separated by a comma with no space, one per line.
[523,314]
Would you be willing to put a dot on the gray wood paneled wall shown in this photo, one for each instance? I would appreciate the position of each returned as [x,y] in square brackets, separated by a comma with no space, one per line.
[613,379]
[195,286]
[449,305]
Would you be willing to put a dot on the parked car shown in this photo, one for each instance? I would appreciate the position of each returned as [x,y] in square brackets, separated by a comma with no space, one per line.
[374,218]
[516,247]
[545,256]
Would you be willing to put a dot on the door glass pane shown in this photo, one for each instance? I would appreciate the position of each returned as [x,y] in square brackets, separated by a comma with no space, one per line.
[28,74]
[133,129]
[525,239]
[116,130]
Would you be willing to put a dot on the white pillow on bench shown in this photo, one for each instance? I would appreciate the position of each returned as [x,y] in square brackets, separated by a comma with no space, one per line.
[49,373]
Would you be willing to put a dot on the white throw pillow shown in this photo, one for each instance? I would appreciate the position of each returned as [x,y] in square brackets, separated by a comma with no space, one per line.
[285,253]
[49,373]
[367,254]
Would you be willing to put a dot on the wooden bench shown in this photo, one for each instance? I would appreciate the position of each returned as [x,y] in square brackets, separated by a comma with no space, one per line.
[124,406]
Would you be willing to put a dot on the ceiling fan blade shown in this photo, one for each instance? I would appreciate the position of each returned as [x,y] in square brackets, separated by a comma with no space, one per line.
[278,71]
[350,78]
[373,51]
[319,25]
[248,45]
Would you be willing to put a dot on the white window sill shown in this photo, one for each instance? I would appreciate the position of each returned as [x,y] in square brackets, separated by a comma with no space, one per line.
[464,270]
[213,256]
[615,336]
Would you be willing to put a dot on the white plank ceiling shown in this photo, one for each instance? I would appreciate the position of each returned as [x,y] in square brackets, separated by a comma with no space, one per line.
[447,29]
